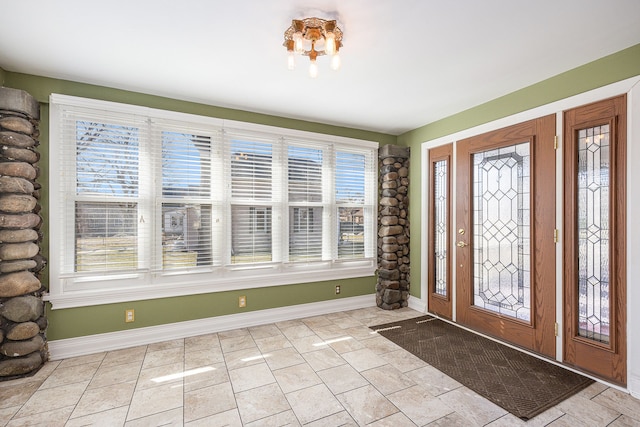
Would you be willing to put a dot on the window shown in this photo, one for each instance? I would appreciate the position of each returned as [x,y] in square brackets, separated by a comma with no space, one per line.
[149,203]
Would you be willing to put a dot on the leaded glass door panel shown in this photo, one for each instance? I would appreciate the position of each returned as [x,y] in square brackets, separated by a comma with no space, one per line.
[439,231]
[505,250]
[594,238]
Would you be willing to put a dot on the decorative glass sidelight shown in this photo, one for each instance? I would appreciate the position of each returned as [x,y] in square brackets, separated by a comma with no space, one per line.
[502,230]
[440,224]
[593,233]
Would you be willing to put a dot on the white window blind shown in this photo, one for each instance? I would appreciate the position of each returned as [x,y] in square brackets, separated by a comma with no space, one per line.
[153,203]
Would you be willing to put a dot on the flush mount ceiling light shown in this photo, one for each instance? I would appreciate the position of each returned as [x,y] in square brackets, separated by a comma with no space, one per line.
[313,37]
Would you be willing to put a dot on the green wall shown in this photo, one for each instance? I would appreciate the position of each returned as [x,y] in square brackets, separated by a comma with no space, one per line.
[83,321]
[604,71]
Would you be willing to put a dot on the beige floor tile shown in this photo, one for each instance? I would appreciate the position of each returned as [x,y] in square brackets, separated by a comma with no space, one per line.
[155,400]
[202,342]
[403,360]
[171,418]
[588,410]
[316,321]
[289,323]
[7,413]
[342,378]
[104,398]
[166,345]
[261,402]
[208,401]
[624,421]
[250,377]
[396,420]
[361,333]
[366,405]
[206,377]
[53,418]
[72,374]
[112,417]
[163,357]
[264,331]
[124,356]
[380,345]
[307,344]
[115,374]
[342,419]
[296,377]
[90,358]
[52,398]
[363,359]
[323,359]
[160,375]
[568,421]
[244,358]
[299,331]
[276,342]
[419,405]
[286,418]
[540,420]
[347,322]
[620,402]
[456,420]
[329,332]
[229,418]
[593,390]
[345,344]
[313,403]
[243,342]
[283,358]
[16,395]
[387,379]
[233,333]
[201,358]
[433,380]
[471,406]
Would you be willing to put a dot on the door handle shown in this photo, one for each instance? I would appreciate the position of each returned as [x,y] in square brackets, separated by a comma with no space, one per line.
[462,244]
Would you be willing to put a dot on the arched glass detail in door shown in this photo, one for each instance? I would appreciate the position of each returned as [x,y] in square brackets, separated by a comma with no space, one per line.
[501,230]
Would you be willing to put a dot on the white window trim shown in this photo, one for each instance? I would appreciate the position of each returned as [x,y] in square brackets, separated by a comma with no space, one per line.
[147,284]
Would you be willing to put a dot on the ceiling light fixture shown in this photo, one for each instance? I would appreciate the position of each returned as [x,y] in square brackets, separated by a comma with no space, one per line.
[313,37]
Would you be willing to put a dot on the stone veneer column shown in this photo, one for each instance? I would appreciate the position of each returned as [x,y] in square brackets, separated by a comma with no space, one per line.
[392,289]
[23,348]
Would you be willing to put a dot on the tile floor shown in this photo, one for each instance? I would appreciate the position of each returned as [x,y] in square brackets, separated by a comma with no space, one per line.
[328,370]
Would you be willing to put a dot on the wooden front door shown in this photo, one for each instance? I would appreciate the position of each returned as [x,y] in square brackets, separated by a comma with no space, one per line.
[595,238]
[505,234]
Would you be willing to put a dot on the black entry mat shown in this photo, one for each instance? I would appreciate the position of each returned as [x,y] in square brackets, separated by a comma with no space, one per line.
[519,383]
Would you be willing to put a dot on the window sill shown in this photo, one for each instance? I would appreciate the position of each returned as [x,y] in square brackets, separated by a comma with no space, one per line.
[221,283]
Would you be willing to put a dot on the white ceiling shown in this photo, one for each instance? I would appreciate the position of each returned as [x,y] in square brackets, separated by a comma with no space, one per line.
[405,63]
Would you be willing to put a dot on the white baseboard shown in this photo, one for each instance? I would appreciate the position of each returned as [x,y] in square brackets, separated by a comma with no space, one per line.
[417,304]
[80,346]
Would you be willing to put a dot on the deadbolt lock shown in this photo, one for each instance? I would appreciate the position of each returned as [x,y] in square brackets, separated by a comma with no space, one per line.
[461,231]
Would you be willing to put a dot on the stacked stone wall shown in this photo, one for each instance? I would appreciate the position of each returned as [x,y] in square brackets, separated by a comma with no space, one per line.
[392,289]
[23,348]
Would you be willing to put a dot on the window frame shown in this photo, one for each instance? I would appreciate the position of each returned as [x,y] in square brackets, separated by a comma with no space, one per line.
[148,282]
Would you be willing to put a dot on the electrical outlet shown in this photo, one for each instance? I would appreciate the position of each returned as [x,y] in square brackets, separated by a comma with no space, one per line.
[337,289]
[129,315]
[242,301]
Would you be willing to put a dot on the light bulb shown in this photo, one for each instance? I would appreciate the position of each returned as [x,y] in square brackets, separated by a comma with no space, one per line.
[335,61]
[298,42]
[291,62]
[330,44]
[313,69]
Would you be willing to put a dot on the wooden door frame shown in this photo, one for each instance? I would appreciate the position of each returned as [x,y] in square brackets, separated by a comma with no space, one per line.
[606,361]
[539,335]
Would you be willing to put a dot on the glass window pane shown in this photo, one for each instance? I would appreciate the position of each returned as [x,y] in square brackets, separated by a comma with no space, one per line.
[106,236]
[250,234]
[251,175]
[305,233]
[305,174]
[186,235]
[186,165]
[107,158]
[501,224]
[593,233]
[440,223]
